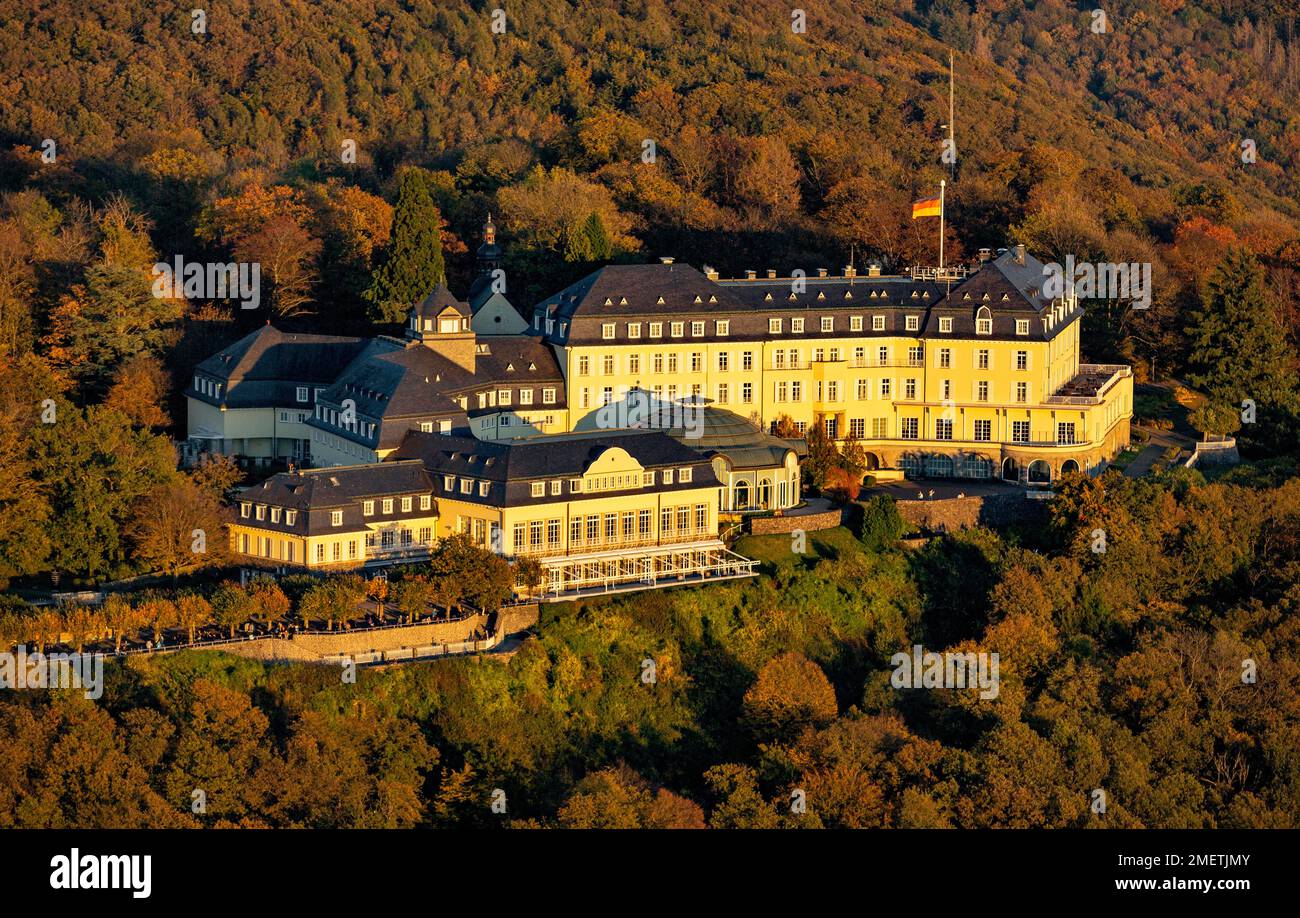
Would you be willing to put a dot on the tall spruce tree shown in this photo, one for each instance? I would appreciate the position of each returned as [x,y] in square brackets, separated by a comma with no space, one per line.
[1238,346]
[412,265]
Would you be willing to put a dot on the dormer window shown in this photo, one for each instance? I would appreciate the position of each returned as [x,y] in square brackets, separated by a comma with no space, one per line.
[448,326]
[1022,326]
[983,321]
[945,324]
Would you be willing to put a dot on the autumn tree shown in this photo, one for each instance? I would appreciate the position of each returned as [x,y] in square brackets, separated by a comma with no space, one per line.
[619,798]
[113,315]
[178,525]
[790,693]
[139,390]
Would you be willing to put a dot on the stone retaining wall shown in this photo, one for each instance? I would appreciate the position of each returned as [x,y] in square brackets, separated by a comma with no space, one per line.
[310,648]
[513,619]
[951,514]
[808,522]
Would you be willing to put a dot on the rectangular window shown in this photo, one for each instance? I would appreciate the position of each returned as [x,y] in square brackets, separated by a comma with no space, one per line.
[406,504]
[982,391]
[539,489]
[909,389]
[982,359]
[943,429]
[336,518]
[774,326]
[945,324]
[677,328]
[1022,360]
[302,393]
[747,393]
[426,501]
[1022,326]
[548,396]
[1019,431]
[913,323]
[886,387]
[828,323]
[697,329]
[1065,432]
[388,505]
[857,428]
[983,431]
[722,327]
[1022,392]
[855,323]
[877,323]
[796,326]
[584,366]
[724,361]
[607,330]
[634,329]
[983,326]
[879,428]
[724,394]
[607,364]
[910,429]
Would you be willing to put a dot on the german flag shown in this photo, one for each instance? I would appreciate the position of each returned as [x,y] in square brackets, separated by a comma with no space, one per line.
[927,208]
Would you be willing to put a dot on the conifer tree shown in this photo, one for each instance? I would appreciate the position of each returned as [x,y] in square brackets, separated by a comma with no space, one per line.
[1238,347]
[413,265]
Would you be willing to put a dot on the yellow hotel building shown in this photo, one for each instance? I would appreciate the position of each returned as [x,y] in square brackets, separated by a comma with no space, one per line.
[966,374]
[622,511]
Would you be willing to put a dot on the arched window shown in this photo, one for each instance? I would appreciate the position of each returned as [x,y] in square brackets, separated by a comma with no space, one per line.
[983,321]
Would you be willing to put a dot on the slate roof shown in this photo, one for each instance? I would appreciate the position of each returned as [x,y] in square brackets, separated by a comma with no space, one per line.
[511,466]
[390,383]
[438,300]
[315,493]
[622,293]
[265,367]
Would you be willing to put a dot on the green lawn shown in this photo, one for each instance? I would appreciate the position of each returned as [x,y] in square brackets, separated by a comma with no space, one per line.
[776,550]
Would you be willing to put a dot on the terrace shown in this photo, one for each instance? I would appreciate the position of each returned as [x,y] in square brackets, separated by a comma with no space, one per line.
[1089,385]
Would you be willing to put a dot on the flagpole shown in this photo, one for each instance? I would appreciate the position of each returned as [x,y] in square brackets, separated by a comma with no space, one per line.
[942,183]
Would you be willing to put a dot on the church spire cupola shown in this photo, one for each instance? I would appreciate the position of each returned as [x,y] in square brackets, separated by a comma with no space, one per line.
[488,257]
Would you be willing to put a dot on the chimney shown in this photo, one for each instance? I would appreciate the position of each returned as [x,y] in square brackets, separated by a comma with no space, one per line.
[665,260]
[873,269]
[1019,249]
[771,273]
[985,255]
[750,274]
[710,272]
[821,272]
[850,271]
[1002,252]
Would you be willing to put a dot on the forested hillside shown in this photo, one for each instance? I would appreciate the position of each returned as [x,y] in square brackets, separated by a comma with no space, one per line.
[1162,673]
[771,147]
